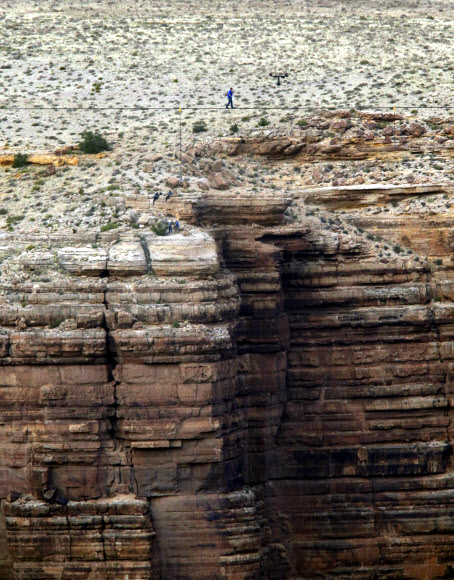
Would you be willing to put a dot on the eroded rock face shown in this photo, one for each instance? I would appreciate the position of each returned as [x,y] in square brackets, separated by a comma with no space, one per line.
[111,537]
[250,400]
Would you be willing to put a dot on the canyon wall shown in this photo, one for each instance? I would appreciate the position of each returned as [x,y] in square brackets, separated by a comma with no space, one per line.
[249,398]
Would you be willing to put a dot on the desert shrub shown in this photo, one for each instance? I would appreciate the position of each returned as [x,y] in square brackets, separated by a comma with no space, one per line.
[234,128]
[301,123]
[160,228]
[14,219]
[55,323]
[263,122]
[199,127]
[93,143]
[109,226]
[20,160]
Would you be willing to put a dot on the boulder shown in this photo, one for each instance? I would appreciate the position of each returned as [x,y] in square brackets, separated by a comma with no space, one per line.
[186,158]
[416,130]
[229,176]
[152,158]
[317,175]
[217,165]
[172,182]
[203,184]
[143,220]
[341,126]
[218,181]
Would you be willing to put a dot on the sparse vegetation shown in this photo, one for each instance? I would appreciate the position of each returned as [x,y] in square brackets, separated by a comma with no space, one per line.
[109,226]
[14,219]
[20,160]
[160,228]
[199,127]
[93,142]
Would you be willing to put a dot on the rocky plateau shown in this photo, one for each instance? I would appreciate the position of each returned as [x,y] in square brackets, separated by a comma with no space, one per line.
[265,393]
[266,390]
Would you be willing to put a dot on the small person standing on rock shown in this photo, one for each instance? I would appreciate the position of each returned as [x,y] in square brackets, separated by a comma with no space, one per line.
[230,98]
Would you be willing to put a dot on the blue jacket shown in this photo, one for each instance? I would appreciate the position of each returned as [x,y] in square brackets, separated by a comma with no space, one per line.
[230,94]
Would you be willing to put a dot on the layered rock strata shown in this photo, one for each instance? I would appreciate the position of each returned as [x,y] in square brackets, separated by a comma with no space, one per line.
[250,400]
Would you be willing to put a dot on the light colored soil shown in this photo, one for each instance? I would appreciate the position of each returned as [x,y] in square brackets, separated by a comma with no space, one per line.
[111,54]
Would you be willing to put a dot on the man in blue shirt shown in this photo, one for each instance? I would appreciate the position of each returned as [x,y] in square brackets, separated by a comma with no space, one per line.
[230,97]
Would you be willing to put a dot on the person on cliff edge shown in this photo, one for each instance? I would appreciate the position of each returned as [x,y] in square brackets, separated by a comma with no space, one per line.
[230,98]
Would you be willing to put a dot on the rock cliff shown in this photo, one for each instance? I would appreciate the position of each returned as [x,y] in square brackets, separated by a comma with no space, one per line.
[263,395]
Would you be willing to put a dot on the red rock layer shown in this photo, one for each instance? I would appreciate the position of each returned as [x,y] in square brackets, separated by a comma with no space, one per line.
[363,465]
[261,402]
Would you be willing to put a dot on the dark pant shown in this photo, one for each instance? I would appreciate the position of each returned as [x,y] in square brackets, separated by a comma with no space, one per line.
[229,103]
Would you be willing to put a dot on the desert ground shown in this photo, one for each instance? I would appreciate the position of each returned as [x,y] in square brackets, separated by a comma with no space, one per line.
[70,66]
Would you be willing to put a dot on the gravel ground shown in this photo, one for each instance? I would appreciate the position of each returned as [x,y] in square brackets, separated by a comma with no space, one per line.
[110,55]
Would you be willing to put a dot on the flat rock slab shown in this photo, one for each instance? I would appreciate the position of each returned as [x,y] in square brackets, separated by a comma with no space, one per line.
[179,255]
[363,195]
[83,261]
[127,259]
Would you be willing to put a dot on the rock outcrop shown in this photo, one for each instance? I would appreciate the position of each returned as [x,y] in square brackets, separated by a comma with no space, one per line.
[251,398]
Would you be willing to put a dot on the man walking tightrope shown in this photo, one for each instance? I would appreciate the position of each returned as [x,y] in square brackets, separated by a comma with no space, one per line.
[230,97]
